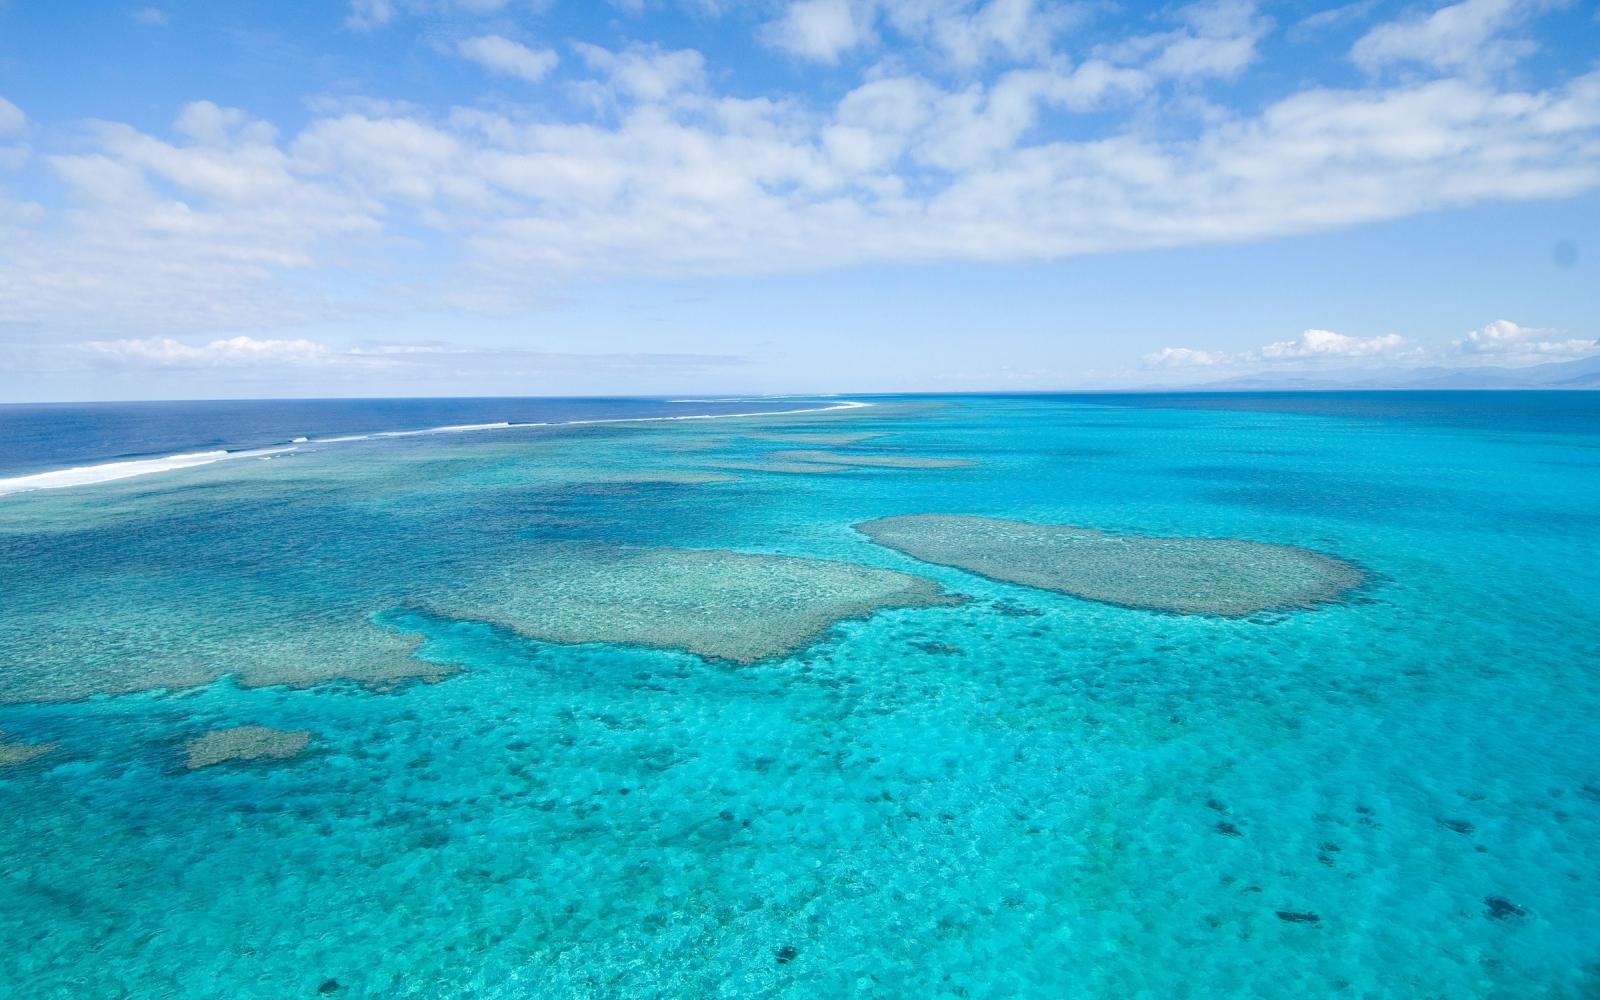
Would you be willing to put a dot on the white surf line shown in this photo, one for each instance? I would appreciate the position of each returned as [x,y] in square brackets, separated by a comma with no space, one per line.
[447,429]
[89,475]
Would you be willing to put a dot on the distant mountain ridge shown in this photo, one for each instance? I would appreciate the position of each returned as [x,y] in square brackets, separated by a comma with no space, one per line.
[1584,373]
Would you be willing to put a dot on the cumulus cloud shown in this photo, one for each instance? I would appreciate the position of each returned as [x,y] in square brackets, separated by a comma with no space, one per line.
[645,73]
[1460,36]
[1217,39]
[1330,19]
[164,352]
[367,14]
[222,222]
[1184,357]
[821,29]
[1503,340]
[498,54]
[968,34]
[962,33]
[1501,343]
[1312,347]
[245,356]
[11,118]
[1319,344]
[198,229]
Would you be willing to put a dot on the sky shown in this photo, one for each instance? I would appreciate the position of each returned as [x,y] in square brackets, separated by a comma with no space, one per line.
[580,197]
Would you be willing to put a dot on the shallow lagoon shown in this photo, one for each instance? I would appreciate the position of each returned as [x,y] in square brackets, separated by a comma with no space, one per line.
[1025,794]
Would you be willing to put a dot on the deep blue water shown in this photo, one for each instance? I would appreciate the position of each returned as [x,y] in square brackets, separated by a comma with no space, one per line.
[1023,794]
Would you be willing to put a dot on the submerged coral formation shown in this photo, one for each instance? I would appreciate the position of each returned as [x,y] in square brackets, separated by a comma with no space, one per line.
[242,743]
[872,460]
[14,754]
[720,605]
[827,439]
[370,655]
[647,477]
[787,468]
[1215,576]
[178,645]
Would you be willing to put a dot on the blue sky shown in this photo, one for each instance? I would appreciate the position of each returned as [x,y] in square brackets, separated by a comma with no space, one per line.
[447,197]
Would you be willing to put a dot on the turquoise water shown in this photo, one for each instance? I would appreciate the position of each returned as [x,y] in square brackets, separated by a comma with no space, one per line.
[1022,793]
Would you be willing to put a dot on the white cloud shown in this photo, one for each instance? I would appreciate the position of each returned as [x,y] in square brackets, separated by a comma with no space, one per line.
[1333,17]
[1219,41]
[1312,347]
[205,122]
[501,55]
[1184,357]
[20,213]
[821,29]
[248,357]
[1322,344]
[154,17]
[396,159]
[164,352]
[1216,39]
[375,206]
[645,72]
[1504,340]
[961,33]
[968,34]
[178,236]
[1501,343]
[367,14]
[12,119]
[1460,36]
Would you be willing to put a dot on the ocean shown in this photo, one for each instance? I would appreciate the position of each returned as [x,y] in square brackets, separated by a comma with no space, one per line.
[1190,695]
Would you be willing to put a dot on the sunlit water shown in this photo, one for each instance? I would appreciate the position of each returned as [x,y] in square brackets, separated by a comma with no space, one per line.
[1025,793]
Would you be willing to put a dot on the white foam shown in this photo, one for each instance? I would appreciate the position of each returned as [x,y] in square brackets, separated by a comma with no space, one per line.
[846,405]
[88,475]
[448,429]
[451,429]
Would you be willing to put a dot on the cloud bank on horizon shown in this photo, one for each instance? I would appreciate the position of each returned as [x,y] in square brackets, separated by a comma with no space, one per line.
[1500,343]
[602,147]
